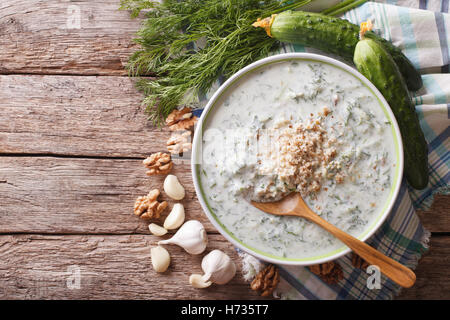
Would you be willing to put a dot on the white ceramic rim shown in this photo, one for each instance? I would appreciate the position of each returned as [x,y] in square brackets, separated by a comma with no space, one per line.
[197,140]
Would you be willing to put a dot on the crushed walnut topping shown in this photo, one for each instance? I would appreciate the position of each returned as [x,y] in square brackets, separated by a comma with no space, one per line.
[148,207]
[266,280]
[329,272]
[300,158]
[326,111]
[339,178]
[158,163]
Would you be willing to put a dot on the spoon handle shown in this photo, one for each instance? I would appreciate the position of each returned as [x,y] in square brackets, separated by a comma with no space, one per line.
[397,272]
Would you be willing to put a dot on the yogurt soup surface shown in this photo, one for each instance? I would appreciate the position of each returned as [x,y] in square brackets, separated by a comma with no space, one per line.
[297,126]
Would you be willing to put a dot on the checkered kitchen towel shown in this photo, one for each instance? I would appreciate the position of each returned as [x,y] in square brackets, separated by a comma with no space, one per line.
[421,29]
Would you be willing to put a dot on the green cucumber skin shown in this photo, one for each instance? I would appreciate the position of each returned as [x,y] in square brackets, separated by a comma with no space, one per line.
[377,65]
[410,74]
[335,36]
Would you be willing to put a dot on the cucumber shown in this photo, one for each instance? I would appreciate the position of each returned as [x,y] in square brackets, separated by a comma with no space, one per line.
[376,64]
[410,74]
[332,35]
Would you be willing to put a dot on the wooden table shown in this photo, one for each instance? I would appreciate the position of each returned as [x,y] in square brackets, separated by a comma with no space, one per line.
[72,139]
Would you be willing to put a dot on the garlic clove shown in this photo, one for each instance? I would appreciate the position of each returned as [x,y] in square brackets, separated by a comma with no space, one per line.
[157,230]
[196,281]
[173,187]
[175,217]
[218,267]
[160,258]
[191,237]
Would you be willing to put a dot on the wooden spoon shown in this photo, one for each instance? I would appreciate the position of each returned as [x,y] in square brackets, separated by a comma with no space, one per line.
[293,205]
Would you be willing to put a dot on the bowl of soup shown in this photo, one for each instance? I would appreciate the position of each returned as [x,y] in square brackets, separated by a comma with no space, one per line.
[297,122]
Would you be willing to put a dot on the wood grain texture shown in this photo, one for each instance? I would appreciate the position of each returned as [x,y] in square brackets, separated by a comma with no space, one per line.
[44,37]
[75,209]
[111,267]
[437,218]
[89,196]
[70,115]
[433,281]
[96,196]
[119,267]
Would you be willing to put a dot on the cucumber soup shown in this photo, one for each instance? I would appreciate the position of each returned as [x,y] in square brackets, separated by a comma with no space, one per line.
[297,126]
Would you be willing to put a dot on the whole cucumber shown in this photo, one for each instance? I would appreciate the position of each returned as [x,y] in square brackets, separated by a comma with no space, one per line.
[376,64]
[333,35]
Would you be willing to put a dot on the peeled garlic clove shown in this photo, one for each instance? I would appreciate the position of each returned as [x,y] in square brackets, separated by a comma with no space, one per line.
[157,230]
[173,188]
[191,237]
[218,267]
[160,258]
[175,217]
[197,282]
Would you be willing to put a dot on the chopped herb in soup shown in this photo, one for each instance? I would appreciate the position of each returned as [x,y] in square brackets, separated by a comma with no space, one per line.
[297,126]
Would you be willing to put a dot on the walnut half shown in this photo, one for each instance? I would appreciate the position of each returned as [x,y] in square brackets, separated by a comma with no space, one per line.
[179,142]
[359,262]
[158,163]
[148,207]
[181,123]
[181,119]
[266,280]
[329,272]
[178,115]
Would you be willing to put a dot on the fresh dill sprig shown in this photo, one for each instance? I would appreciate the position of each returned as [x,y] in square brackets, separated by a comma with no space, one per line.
[187,44]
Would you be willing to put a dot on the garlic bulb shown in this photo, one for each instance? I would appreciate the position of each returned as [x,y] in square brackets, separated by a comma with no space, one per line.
[160,258]
[173,187]
[175,217]
[196,281]
[218,267]
[191,237]
[157,230]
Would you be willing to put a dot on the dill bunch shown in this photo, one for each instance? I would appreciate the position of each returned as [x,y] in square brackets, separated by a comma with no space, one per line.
[188,44]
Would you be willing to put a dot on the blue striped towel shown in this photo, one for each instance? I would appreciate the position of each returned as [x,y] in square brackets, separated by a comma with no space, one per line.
[421,29]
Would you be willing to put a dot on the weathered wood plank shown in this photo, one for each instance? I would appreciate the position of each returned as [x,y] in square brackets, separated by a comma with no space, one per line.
[437,219]
[65,37]
[111,267]
[433,280]
[119,267]
[59,195]
[63,195]
[71,115]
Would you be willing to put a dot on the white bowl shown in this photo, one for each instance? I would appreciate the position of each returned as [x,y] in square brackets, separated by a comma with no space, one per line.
[196,158]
